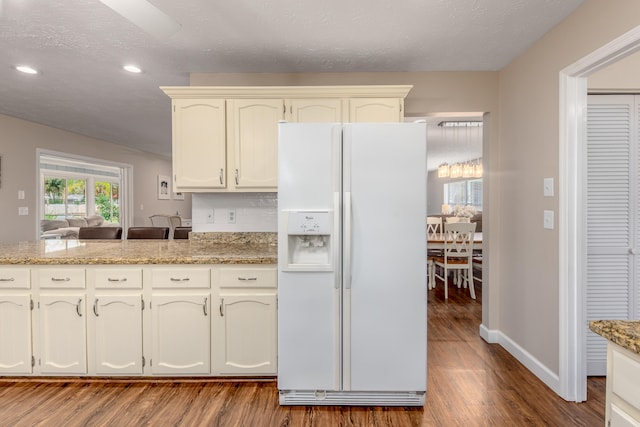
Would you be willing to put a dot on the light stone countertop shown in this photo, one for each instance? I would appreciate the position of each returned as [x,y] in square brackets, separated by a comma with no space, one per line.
[625,333]
[206,248]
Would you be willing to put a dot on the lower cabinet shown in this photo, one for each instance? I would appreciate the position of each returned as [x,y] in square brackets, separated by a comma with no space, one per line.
[62,334]
[245,332]
[245,323]
[117,334]
[15,334]
[623,387]
[181,331]
[138,320]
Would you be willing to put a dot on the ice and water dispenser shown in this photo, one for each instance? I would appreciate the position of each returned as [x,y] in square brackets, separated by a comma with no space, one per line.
[309,241]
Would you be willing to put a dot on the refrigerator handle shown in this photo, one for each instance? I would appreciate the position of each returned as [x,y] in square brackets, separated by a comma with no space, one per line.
[347,240]
[336,248]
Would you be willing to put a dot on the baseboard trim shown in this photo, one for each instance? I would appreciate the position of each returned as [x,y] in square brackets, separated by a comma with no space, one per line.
[494,336]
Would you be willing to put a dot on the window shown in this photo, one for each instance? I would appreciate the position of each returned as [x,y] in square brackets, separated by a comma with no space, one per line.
[81,187]
[467,192]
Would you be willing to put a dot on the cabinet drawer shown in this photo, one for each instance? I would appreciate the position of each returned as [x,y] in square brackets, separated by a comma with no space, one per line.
[61,277]
[14,278]
[118,278]
[266,277]
[180,278]
[625,379]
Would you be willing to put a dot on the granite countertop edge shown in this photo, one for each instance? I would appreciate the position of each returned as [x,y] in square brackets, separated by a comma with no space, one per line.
[200,248]
[625,333]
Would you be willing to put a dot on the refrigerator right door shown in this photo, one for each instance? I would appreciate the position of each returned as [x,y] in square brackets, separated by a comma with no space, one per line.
[384,276]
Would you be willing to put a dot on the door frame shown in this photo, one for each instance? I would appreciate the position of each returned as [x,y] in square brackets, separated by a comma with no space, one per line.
[572,224]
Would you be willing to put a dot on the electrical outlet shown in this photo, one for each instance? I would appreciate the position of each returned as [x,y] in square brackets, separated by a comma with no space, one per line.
[231,218]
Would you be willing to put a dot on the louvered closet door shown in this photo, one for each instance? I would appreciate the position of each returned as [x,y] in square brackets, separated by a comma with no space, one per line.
[613,220]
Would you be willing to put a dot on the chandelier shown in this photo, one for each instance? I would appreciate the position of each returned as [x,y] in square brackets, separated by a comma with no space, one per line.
[470,169]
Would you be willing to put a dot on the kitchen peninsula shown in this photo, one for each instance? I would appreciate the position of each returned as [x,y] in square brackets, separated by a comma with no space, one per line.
[199,307]
[623,370]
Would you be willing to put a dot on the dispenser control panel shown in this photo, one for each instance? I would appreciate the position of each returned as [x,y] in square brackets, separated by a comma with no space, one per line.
[309,223]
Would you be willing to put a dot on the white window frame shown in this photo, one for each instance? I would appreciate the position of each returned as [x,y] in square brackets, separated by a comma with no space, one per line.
[125,190]
[468,184]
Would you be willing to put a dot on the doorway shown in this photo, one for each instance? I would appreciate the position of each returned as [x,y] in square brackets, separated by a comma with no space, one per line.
[572,209]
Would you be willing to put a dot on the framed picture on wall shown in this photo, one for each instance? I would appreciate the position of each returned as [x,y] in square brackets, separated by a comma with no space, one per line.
[164,189]
[178,196]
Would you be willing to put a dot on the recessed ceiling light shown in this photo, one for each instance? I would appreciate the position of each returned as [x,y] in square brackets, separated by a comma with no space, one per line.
[26,69]
[132,69]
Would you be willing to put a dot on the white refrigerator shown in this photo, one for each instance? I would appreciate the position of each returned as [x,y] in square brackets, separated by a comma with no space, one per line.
[352,324]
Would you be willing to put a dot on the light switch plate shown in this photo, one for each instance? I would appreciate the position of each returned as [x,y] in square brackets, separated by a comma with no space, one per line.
[23,210]
[548,187]
[548,220]
[20,194]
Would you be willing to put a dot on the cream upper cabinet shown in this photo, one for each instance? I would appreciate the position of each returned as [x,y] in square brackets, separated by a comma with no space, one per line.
[375,110]
[225,138]
[316,110]
[199,144]
[252,131]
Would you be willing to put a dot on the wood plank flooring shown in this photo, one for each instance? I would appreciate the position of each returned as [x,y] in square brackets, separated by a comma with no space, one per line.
[470,383]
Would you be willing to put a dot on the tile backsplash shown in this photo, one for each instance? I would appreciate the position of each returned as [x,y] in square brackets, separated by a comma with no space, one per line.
[234,212]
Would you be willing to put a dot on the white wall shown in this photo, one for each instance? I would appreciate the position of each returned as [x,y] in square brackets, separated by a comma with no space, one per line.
[528,270]
[18,144]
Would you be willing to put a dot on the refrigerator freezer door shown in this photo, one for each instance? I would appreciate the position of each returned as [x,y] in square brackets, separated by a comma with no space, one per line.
[309,324]
[385,305]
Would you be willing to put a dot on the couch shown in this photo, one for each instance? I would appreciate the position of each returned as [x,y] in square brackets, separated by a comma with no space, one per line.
[68,228]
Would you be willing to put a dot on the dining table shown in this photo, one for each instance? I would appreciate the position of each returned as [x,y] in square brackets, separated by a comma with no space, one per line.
[436,241]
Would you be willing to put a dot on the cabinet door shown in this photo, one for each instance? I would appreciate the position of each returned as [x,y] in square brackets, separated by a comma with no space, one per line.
[375,110]
[118,334]
[253,133]
[15,334]
[62,334]
[199,144]
[316,110]
[246,334]
[181,331]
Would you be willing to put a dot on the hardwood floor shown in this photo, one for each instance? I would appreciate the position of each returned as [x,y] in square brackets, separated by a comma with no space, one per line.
[470,383]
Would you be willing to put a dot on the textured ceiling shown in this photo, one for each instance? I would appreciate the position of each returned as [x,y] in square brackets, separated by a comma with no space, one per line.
[80,46]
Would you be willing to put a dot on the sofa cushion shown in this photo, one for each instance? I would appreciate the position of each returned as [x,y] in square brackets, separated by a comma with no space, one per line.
[94,221]
[77,222]
[52,224]
[64,232]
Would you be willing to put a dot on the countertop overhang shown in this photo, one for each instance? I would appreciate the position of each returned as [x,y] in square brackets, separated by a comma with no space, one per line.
[625,333]
[98,252]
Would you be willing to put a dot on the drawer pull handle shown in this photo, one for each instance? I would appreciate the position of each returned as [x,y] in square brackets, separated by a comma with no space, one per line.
[247,278]
[204,307]
[237,178]
[95,308]
[57,279]
[184,279]
[221,305]
[10,279]
[78,307]
[221,175]
[124,279]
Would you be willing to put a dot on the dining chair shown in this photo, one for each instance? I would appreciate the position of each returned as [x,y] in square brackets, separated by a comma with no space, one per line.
[457,256]
[477,265]
[103,233]
[434,226]
[181,233]
[148,233]
[456,219]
